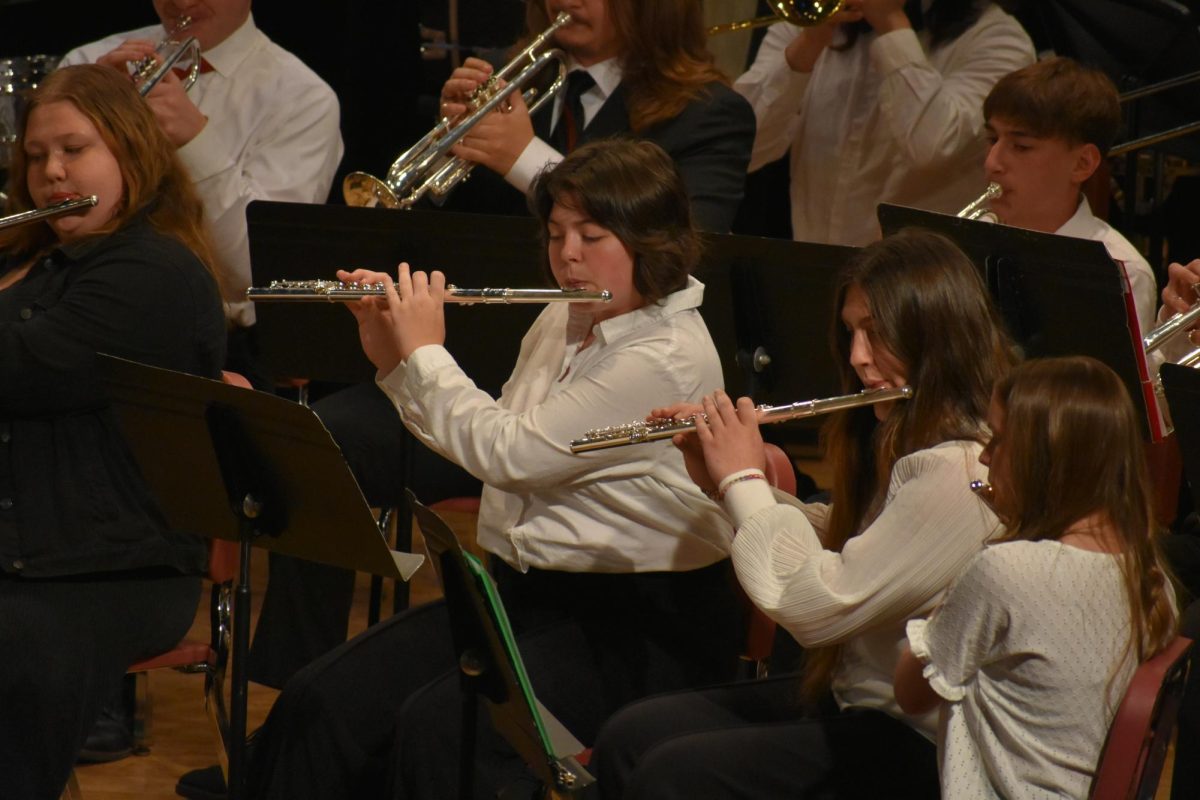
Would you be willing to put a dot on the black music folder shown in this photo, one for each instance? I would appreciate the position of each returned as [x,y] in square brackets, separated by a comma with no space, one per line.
[1182,388]
[1059,295]
[492,669]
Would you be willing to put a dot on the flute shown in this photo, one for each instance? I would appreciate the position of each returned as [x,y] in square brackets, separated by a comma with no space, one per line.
[65,207]
[640,432]
[339,292]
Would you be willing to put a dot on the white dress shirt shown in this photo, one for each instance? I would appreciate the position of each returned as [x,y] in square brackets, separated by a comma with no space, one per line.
[626,509]
[272,134]
[1029,650]
[1085,225]
[885,121]
[930,527]
[539,154]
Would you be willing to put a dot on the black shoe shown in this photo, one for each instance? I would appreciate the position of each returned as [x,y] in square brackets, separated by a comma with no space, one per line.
[202,784]
[109,739]
[208,783]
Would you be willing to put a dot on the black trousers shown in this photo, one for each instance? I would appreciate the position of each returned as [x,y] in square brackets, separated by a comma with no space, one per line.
[383,710]
[306,606]
[751,740]
[66,644]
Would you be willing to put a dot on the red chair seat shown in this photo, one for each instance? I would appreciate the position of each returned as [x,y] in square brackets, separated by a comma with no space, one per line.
[184,654]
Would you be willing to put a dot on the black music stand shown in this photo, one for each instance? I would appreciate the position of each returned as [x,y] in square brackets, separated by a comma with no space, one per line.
[260,470]
[1182,388]
[1059,295]
[491,668]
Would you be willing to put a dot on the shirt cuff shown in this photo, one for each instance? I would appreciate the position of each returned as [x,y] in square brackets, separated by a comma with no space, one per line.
[895,50]
[421,365]
[744,499]
[918,642]
[536,156]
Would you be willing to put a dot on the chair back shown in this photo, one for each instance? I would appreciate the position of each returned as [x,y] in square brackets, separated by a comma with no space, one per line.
[760,629]
[1132,759]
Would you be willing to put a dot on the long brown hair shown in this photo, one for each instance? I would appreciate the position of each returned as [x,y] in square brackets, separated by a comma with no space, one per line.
[932,311]
[154,180]
[1075,450]
[665,61]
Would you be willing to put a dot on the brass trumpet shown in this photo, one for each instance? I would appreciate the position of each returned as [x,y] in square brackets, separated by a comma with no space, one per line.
[641,432]
[169,52]
[978,208]
[339,292]
[427,166]
[65,207]
[803,14]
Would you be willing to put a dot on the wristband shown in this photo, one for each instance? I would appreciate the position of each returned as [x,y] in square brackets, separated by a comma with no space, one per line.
[752,474]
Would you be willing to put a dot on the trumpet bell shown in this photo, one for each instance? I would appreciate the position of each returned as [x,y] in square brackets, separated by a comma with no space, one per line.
[361,189]
[804,13]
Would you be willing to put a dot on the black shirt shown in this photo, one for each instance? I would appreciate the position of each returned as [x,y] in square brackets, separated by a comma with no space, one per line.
[72,499]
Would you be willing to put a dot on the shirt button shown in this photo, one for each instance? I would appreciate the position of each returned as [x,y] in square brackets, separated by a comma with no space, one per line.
[26,313]
[5,503]
[18,564]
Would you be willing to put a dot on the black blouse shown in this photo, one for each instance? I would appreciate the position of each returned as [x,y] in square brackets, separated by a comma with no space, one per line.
[72,499]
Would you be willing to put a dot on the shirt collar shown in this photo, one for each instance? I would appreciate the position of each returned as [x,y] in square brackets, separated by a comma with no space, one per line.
[607,74]
[1082,223]
[226,56]
[79,250]
[687,298]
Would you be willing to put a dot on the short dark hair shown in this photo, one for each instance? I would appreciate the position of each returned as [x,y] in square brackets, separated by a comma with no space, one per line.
[632,188]
[1059,97]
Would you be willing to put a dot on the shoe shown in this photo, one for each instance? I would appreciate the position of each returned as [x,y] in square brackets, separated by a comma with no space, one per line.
[203,784]
[208,783]
[111,737]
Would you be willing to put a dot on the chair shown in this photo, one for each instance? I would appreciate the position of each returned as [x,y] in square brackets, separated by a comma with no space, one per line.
[760,629]
[1132,759]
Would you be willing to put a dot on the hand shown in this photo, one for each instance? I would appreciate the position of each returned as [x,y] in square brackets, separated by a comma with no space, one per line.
[391,328]
[1179,295]
[801,55]
[675,411]
[457,90]
[730,438]
[498,140]
[884,16]
[178,117]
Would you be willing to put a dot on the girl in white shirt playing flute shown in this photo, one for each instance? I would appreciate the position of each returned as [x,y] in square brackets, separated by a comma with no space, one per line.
[1032,650]
[613,568]
[841,578]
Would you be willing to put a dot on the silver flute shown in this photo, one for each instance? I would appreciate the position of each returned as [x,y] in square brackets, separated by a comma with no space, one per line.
[340,292]
[655,430]
[65,207]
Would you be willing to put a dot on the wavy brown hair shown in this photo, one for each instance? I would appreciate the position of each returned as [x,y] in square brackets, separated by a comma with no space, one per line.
[632,188]
[664,56]
[155,182]
[1075,450]
[932,311]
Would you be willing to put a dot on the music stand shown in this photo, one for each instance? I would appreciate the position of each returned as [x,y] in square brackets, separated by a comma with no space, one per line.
[492,669]
[1182,388]
[260,470]
[1058,295]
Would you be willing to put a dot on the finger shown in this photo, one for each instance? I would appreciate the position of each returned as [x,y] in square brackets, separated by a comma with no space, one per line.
[404,287]
[704,433]
[725,408]
[437,285]
[392,291]
[747,412]
[712,418]
[479,65]
[420,284]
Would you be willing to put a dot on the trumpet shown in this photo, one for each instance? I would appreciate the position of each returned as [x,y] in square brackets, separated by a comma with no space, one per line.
[427,166]
[978,208]
[808,13]
[65,207]
[169,52]
[641,432]
[340,292]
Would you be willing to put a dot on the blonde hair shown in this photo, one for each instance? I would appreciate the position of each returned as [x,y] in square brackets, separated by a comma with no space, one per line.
[155,182]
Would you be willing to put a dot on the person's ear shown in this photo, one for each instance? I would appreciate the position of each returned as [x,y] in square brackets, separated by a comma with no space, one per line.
[1087,161]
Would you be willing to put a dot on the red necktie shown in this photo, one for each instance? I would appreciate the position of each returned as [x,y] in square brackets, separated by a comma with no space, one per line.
[182,73]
